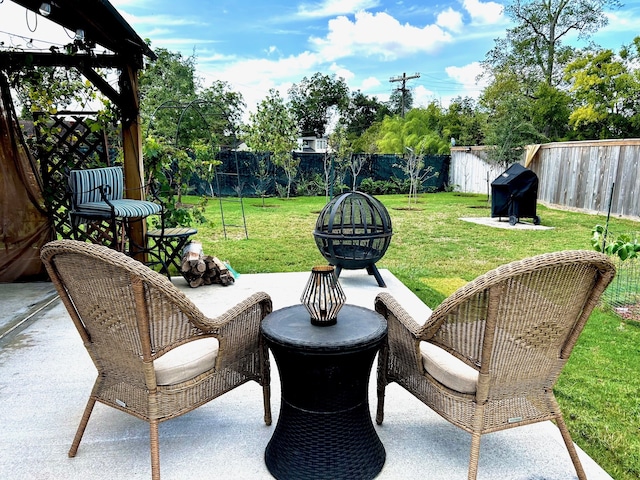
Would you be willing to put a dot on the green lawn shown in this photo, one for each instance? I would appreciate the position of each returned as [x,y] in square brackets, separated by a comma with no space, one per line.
[433,252]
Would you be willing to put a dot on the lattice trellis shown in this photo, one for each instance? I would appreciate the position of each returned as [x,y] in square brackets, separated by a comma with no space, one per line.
[64,142]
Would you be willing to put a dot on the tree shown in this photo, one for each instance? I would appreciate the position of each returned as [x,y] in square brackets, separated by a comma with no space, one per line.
[165,85]
[464,122]
[509,124]
[313,100]
[342,151]
[509,131]
[361,113]
[400,102]
[223,110]
[605,88]
[413,167]
[534,46]
[550,110]
[418,130]
[51,89]
[367,141]
[273,129]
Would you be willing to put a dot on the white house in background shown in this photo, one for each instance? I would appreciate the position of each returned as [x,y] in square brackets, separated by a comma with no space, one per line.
[312,144]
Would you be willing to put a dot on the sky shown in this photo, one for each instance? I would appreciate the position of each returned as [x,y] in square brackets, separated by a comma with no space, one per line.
[256,45]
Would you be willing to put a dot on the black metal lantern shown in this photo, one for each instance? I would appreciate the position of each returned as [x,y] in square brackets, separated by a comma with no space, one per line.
[353,231]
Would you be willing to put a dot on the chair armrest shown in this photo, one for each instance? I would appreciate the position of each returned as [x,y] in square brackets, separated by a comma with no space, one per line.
[238,329]
[386,305]
[403,336]
[105,190]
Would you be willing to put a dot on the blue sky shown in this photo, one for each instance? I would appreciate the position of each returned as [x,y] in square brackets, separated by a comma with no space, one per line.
[256,45]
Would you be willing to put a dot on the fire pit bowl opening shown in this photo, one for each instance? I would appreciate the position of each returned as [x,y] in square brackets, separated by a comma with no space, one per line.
[353,231]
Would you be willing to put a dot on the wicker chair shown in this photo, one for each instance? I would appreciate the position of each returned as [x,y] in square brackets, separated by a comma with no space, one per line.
[488,357]
[157,355]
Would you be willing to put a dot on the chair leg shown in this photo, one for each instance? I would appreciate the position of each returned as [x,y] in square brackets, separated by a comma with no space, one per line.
[380,409]
[383,360]
[266,394]
[475,456]
[154,442]
[571,448]
[83,424]
[265,378]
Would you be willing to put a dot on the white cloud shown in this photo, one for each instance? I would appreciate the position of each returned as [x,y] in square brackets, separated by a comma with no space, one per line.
[370,82]
[216,57]
[621,22]
[467,76]
[341,72]
[330,8]
[484,13]
[377,34]
[422,96]
[254,77]
[450,20]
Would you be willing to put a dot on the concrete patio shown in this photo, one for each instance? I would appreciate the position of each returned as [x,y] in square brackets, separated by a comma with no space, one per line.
[46,377]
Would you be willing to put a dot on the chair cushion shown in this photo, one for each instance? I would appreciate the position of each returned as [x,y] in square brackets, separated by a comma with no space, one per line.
[83,184]
[126,208]
[186,361]
[447,369]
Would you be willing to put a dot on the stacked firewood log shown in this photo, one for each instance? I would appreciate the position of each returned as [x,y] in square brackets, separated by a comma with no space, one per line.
[198,269]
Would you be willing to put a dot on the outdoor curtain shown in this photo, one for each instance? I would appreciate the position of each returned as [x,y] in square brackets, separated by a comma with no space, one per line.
[24,224]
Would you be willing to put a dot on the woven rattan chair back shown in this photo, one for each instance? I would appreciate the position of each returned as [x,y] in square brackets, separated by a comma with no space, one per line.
[516,326]
[130,316]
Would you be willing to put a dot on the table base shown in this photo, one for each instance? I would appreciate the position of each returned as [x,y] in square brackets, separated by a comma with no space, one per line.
[324,445]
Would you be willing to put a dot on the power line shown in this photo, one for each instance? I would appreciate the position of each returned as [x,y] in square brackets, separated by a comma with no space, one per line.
[403,89]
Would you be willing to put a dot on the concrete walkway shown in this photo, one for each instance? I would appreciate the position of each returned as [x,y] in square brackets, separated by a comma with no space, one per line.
[46,377]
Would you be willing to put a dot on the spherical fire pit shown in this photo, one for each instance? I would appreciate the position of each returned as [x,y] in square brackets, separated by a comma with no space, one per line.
[353,231]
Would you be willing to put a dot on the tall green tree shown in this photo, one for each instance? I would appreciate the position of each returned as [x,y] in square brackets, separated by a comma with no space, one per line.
[464,122]
[419,130]
[273,129]
[166,85]
[362,112]
[314,100]
[534,47]
[509,123]
[606,90]
[222,109]
[344,159]
[400,102]
[367,141]
[550,110]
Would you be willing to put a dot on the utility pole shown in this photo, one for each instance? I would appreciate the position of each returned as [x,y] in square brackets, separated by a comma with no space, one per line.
[403,88]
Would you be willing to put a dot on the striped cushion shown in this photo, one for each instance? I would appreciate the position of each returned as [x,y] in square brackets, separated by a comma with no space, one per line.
[123,208]
[88,201]
[83,184]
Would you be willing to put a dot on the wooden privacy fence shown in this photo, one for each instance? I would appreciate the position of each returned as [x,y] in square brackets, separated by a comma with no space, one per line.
[572,174]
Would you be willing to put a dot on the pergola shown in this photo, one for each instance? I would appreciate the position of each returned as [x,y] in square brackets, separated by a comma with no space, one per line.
[124,51]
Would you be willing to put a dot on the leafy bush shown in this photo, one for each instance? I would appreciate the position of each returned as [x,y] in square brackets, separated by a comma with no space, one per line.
[624,246]
[384,187]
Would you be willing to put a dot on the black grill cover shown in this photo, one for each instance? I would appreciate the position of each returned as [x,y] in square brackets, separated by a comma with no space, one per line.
[514,194]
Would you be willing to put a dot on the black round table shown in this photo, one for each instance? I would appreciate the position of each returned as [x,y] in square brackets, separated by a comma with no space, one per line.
[324,429]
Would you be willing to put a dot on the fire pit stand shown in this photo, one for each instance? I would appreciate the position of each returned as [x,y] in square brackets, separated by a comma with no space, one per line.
[353,231]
